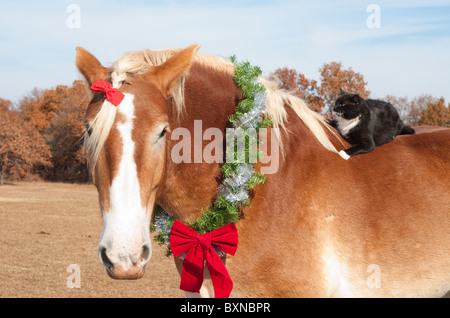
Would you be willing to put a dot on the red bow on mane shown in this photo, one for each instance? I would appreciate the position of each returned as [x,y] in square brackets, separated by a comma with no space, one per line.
[200,250]
[113,95]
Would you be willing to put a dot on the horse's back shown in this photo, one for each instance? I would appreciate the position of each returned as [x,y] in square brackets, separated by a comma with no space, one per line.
[429,129]
[392,217]
[375,225]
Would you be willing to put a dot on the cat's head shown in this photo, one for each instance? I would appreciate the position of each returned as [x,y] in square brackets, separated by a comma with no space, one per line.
[348,105]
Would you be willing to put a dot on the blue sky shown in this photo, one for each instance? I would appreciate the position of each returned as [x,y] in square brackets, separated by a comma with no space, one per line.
[408,55]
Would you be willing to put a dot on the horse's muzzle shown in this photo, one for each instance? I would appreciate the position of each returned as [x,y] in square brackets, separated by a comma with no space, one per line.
[124,265]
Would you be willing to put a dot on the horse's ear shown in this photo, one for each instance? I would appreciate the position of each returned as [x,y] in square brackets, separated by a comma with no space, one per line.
[342,92]
[167,74]
[90,67]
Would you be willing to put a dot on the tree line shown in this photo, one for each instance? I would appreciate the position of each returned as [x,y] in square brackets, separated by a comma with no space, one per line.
[41,135]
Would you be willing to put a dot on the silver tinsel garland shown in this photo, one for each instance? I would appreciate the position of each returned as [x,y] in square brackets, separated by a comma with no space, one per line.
[252,118]
[161,221]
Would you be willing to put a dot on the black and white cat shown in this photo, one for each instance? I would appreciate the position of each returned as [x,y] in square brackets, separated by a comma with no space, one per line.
[366,123]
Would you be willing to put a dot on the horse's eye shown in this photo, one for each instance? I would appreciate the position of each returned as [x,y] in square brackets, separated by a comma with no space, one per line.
[163,132]
[88,129]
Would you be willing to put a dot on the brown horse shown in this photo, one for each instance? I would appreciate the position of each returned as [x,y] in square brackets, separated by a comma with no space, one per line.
[377,225]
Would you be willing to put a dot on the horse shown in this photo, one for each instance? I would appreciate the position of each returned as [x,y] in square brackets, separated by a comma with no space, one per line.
[376,225]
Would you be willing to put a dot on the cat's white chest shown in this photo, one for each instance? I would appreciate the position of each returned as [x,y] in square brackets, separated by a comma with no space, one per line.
[345,125]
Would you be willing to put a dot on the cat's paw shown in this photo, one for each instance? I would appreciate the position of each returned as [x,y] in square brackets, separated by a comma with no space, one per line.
[344,155]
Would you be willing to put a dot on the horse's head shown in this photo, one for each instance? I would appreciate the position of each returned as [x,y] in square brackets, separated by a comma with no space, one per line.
[126,149]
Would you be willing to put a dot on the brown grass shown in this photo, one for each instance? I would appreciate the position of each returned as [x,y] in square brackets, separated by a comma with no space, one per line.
[44,227]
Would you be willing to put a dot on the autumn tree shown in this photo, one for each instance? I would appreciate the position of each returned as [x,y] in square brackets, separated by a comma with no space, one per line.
[41,106]
[64,136]
[299,85]
[411,110]
[321,96]
[22,148]
[57,115]
[5,105]
[436,114]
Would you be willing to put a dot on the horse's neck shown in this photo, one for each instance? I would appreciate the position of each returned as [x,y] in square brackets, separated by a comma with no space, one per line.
[210,99]
[190,187]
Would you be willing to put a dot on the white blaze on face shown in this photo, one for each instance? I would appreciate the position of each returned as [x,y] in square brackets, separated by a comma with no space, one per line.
[126,225]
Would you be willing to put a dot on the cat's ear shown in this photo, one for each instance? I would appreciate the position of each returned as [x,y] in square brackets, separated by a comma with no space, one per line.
[356,98]
[342,92]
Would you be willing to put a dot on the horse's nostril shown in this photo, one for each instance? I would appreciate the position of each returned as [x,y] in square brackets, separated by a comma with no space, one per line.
[105,260]
[146,252]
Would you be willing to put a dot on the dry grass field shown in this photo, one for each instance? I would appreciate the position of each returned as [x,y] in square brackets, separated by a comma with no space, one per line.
[45,227]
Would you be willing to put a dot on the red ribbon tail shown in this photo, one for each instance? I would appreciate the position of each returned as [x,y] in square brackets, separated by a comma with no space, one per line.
[222,283]
[192,271]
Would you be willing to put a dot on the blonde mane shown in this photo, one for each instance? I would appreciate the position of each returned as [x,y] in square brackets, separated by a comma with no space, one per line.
[137,62]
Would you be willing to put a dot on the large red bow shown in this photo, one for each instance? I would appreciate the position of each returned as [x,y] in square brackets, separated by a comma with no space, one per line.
[199,249]
[113,95]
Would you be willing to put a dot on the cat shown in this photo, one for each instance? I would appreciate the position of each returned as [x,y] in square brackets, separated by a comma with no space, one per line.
[366,123]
